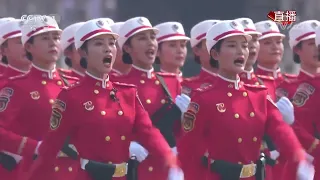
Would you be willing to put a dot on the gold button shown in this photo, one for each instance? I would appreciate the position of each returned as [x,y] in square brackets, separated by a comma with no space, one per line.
[108,85]
[44,82]
[236,115]
[109,162]
[257,83]
[148,101]
[239,162]
[123,138]
[70,169]
[239,140]
[103,113]
[252,114]
[245,94]
[163,101]
[107,138]
[51,101]
[142,81]
[157,82]
[150,168]
[59,83]
[229,94]
[56,169]
[254,139]
[120,113]
[96,91]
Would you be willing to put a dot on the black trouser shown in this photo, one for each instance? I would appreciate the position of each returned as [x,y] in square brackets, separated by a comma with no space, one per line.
[103,171]
[7,162]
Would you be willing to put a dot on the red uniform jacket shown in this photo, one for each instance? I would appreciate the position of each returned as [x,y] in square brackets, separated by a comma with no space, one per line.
[152,97]
[189,85]
[101,126]
[307,124]
[9,72]
[2,67]
[26,102]
[239,115]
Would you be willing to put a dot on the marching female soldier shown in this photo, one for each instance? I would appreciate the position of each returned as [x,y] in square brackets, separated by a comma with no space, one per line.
[172,47]
[159,92]
[100,116]
[239,114]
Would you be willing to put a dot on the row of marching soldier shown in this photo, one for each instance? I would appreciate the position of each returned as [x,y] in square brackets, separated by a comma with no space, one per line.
[111,116]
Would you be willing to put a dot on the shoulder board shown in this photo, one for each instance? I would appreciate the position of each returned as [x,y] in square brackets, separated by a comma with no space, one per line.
[290,75]
[123,84]
[255,86]
[64,70]
[71,86]
[20,76]
[69,77]
[167,74]
[204,88]
[265,77]
[188,79]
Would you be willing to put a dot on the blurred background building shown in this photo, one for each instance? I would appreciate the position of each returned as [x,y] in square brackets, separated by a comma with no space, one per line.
[188,12]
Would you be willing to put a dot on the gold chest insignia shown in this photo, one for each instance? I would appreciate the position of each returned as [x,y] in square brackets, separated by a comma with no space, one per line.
[35,95]
[88,105]
[221,108]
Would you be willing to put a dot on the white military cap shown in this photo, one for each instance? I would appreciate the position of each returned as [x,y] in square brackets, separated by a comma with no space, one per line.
[199,31]
[6,19]
[169,31]
[222,30]
[67,36]
[106,20]
[36,26]
[302,31]
[248,25]
[318,36]
[268,29]
[10,29]
[133,26]
[91,29]
[116,27]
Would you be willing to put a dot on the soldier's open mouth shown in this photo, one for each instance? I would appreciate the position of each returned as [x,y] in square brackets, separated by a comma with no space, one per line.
[239,62]
[107,60]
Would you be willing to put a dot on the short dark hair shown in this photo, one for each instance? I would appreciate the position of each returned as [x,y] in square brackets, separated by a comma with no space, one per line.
[28,54]
[217,47]
[4,59]
[157,60]
[83,61]
[66,59]
[296,57]
[197,58]
[126,58]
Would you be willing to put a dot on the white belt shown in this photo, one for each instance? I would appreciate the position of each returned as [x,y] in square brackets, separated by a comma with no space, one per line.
[120,171]
[17,157]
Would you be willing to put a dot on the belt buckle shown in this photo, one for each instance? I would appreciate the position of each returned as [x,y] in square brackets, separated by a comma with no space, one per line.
[121,170]
[248,170]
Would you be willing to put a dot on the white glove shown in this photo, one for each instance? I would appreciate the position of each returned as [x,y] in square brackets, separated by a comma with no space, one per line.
[137,150]
[175,174]
[16,157]
[183,101]
[174,150]
[309,157]
[36,151]
[286,108]
[305,171]
[274,154]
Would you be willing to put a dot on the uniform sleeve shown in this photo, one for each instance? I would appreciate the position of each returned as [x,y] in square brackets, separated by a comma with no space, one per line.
[282,134]
[306,127]
[149,136]
[61,126]
[12,100]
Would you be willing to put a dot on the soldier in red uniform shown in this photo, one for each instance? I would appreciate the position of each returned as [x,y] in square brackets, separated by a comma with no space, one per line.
[4,62]
[13,50]
[306,125]
[108,114]
[119,67]
[201,56]
[72,58]
[159,92]
[172,48]
[26,102]
[229,134]
[270,55]
[302,42]
[248,76]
